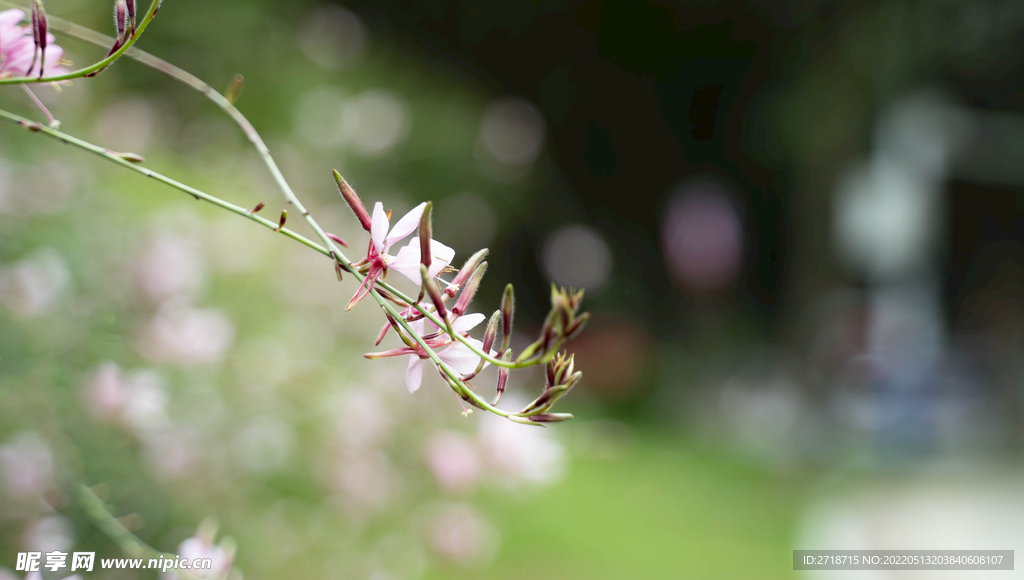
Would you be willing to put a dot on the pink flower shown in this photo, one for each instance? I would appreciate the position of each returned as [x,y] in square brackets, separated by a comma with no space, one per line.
[455,354]
[18,50]
[407,262]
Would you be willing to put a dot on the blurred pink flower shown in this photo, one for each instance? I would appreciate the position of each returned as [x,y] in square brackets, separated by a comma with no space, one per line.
[454,460]
[17,49]
[202,547]
[187,336]
[521,457]
[26,465]
[407,262]
[458,533]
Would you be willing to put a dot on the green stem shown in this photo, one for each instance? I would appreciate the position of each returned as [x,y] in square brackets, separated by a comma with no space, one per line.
[99,66]
[112,527]
[97,510]
[113,157]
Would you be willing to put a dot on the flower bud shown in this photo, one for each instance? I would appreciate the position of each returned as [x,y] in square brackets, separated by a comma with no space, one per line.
[425,234]
[470,290]
[502,377]
[353,201]
[258,207]
[563,368]
[121,19]
[39,32]
[435,294]
[131,157]
[492,331]
[550,417]
[131,18]
[234,89]
[280,222]
[577,326]
[336,239]
[549,329]
[467,270]
[507,310]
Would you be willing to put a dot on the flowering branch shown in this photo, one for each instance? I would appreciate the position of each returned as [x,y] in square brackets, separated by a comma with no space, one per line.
[422,260]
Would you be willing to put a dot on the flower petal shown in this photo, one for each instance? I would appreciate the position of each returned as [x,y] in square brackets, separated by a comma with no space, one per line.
[379,227]
[407,262]
[442,255]
[459,357]
[409,223]
[467,322]
[414,374]
[12,17]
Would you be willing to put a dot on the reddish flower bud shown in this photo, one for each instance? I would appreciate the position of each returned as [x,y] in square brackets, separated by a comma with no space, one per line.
[39,32]
[492,331]
[434,293]
[550,417]
[425,234]
[121,19]
[507,310]
[336,239]
[131,15]
[577,326]
[563,368]
[470,290]
[502,377]
[353,201]
[258,207]
[467,270]
[280,223]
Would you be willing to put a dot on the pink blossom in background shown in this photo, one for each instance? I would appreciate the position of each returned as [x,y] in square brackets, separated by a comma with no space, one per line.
[26,465]
[520,457]
[187,336]
[702,237]
[454,461]
[197,547]
[17,49]
[34,286]
[458,533]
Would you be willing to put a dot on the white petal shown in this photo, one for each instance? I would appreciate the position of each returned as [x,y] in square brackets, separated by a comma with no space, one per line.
[10,18]
[379,226]
[408,262]
[417,326]
[467,322]
[414,374]
[409,223]
[442,256]
[459,357]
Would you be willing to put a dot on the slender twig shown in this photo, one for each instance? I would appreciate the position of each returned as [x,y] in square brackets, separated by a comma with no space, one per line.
[39,104]
[99,66]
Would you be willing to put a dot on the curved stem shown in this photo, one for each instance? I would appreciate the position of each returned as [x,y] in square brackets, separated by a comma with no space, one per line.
[99,66]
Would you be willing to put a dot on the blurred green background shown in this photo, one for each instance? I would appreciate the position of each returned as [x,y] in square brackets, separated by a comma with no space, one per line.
[800,226]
